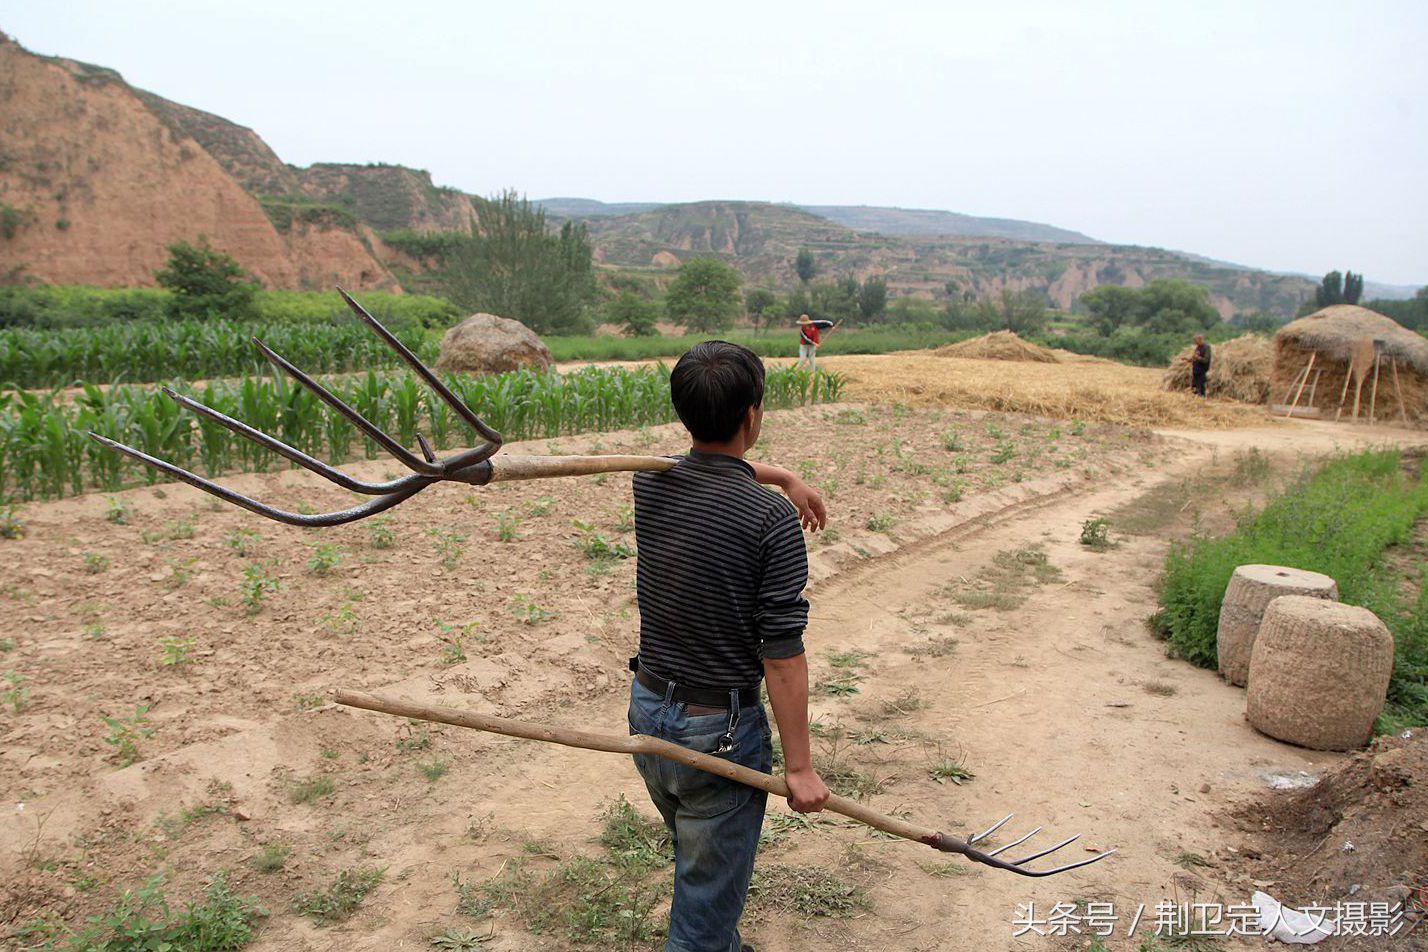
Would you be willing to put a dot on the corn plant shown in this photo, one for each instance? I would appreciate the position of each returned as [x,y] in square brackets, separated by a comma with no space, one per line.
[258,580]
[175,651]
[326,556]
[379,531]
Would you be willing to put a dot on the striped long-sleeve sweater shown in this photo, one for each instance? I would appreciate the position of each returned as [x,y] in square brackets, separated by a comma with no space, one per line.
[721,572]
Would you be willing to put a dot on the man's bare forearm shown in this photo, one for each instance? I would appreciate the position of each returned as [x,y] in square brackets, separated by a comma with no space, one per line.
[788,693]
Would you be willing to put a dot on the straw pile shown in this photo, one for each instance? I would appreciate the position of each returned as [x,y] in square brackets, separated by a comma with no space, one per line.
[1332,336]
[1241,369]
[1099,391]
[998,345]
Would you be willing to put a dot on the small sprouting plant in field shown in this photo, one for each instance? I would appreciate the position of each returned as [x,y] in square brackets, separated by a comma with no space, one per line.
[952,440]
[179,573]
[846,659]
[125,734]
[808,468]
[326,556]
[380,534]
[243,541]
[117,511]
[309,702]
[7,645]
[95,562]
[344,621]
[624,518]
[850,418]
[433,770]
[831,535]
[178,529]
[905,703]
[881,522]
[995,431]
[1005,450]
[175,651]
[596,547]
[11,526]
[311,788]
[633,842]
[953,492]
[1078,427]
[16,695]
[271,858]
[841,685]
[413,736]
[1095,534]
[528,612]
[258,581]
[506,526]
[341,899]
[449,546]
[944,767]
[95,630]
[540,507]
[460,940]
[453,641]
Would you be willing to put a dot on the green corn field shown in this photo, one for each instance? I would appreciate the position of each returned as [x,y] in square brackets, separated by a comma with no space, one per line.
[147,351]
[44,452]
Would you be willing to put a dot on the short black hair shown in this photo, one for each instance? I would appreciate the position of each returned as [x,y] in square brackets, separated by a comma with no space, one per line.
[712,388]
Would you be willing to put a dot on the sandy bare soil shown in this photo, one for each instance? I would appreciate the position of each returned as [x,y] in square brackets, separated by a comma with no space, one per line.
[959,627]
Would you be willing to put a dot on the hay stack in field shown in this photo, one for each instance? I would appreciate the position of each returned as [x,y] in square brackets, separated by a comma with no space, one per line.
[1240,369]
[1318,673]
[1333,337]
[998,345]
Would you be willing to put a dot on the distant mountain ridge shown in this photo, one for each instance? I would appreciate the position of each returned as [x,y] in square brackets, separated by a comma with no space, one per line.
[883,220]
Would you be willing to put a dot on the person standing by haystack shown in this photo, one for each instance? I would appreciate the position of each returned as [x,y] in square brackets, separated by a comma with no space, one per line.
[1199,365]
[808,340]
[719,581]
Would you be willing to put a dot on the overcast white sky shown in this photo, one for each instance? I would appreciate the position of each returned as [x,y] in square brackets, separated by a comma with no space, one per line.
[1284,135]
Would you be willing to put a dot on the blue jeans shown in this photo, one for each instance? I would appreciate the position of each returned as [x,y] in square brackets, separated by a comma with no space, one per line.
[715,822]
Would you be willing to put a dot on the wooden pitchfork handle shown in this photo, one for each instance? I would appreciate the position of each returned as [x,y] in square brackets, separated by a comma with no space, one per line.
[642,744]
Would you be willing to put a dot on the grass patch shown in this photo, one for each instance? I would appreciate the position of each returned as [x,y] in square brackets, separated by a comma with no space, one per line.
[632,841]
[808,891]
[1340,521]
[340,900]
[141,920]
[940,647]
[1007,582]
[271,858]
[311,788]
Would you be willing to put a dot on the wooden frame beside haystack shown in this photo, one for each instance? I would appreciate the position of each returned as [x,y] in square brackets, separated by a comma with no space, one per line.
[1348,361]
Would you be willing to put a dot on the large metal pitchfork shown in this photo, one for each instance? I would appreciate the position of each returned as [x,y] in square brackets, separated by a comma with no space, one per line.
[478,467]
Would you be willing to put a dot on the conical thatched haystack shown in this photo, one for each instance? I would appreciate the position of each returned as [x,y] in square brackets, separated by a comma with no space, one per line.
[1332,336]
[1240,369]
[998,345]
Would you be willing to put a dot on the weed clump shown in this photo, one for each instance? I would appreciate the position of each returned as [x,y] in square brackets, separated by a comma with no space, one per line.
[340,900]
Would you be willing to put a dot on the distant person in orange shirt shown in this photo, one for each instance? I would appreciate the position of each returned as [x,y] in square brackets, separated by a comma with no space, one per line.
[808,340]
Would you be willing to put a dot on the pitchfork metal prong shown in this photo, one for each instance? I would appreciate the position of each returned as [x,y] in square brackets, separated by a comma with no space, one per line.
[1002,849]
[358,420]
[426,449]
[422,371]
[413,485]
[1047,852]
[289,452]
[991,829]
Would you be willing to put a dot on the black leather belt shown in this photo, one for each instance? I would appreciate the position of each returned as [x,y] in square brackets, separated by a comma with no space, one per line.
[704,697]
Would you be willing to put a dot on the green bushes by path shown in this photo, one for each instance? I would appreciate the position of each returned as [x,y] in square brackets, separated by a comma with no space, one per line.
[1338,521]
[44,452]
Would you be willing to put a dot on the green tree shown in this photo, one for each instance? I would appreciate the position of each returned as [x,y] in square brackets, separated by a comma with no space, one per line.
[804,266]
[757,301]
[1353,287]
[1164,306]
[1021,312]
[1110,306]
[1330,290]
[873,299]
[704,296]
[513,266]
[834,300]
[206,283]
[636,314]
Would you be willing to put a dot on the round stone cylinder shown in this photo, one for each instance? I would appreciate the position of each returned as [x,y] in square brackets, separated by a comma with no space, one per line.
[1251,589]
[1319,673]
